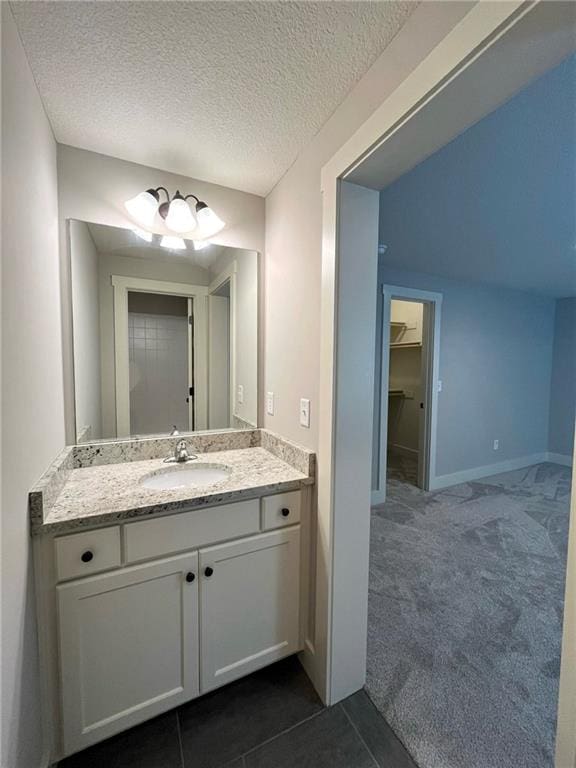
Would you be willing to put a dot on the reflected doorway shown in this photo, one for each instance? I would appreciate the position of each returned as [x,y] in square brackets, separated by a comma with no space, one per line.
[161,354]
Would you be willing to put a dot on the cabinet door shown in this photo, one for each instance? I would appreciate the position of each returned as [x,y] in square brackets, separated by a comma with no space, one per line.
[128,647]
[249,593]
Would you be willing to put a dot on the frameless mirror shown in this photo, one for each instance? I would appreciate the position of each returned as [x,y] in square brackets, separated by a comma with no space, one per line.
[164,338]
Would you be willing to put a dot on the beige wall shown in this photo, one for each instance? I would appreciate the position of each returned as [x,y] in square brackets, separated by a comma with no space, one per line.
[32,404]
[246,322]
[93,188]
[293,227]
[86,320]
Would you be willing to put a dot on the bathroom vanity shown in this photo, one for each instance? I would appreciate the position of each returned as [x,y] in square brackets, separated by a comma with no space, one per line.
[151,596]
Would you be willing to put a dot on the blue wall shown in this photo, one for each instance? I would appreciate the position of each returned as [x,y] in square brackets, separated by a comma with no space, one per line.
[494,211]
[498,203]
[495,367]
[563,390]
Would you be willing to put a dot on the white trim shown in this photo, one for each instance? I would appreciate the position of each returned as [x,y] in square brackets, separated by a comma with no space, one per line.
[476,473]
[434,301]
[403,450]
[559,458]
[565,730]
[230,273]
[482,26]
[121,285]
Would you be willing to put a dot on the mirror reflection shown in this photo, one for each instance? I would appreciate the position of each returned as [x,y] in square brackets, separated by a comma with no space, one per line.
[165,338]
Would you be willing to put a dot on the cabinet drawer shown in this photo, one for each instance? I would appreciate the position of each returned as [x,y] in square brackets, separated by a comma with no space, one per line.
[190,530]
[281,509]
[82,554]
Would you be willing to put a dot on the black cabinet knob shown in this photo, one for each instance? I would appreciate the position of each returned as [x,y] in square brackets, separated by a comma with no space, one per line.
[87,556]
[190,577]
[285,512]
[208,571]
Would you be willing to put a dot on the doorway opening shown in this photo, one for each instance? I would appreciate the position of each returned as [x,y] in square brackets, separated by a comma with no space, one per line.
[161,355]
[405,459]
[405,402]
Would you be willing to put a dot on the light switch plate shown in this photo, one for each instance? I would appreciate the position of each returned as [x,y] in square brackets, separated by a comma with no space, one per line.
[270,403]
[304,412]
[240,392]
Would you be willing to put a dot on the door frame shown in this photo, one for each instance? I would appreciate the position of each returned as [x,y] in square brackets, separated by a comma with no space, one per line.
[122,285]
[338,664]
[432,302]
[229,275]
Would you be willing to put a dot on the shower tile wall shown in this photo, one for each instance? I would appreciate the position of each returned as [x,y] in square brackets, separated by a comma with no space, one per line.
[158,346]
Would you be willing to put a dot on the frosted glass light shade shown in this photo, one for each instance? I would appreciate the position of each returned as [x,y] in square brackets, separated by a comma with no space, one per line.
[173,242]
[180,218]
[208,223]
[199,245]
[143,208]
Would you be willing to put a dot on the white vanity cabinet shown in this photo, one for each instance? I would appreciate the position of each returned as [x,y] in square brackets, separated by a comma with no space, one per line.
[128,647]
[249,593]
[147,636]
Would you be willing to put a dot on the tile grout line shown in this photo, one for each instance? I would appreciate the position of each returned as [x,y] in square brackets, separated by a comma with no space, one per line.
[180,738]
[353,724]
[282,733]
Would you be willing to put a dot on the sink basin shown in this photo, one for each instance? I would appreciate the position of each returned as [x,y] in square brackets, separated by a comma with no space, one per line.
[186,476]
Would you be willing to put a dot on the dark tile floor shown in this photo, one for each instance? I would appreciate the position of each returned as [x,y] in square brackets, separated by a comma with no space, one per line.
[271,719]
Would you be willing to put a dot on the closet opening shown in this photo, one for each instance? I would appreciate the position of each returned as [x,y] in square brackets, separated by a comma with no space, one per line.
[405,401]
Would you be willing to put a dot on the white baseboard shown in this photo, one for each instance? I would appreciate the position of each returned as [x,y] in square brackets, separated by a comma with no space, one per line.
[560,458]
[403,450]
[476,473]
[378,496]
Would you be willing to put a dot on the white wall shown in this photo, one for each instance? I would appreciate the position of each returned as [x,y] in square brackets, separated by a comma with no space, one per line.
[93,188]
[218,362]
[86,320]
[32,404]
[293,227]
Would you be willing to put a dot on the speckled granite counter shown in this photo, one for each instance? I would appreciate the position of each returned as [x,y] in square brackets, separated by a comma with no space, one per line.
[100,483]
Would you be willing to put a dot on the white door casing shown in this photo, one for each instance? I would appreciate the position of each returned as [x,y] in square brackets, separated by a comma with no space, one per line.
[430,376]
[122,286]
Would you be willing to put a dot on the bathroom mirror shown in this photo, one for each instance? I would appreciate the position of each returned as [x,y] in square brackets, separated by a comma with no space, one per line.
[164,338]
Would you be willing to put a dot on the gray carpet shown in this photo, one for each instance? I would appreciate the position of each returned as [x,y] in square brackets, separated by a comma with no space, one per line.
[465,616]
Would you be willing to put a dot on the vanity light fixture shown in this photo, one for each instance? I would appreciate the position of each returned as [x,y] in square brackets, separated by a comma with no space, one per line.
[175,211]
[173,243]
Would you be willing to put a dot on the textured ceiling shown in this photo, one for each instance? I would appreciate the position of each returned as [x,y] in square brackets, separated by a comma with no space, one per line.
[227,92]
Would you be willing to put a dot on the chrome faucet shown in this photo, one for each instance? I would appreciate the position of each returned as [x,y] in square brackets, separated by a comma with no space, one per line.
[181,452]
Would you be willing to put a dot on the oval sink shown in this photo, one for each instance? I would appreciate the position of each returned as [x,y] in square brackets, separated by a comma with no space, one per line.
[186,476]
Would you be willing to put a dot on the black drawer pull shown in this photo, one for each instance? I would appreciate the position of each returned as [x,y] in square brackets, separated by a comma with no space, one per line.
[208,571]
[285,512]
[190,577]
[87,556]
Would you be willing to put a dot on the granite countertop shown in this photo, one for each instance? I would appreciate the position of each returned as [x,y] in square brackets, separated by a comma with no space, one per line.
[111,493]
